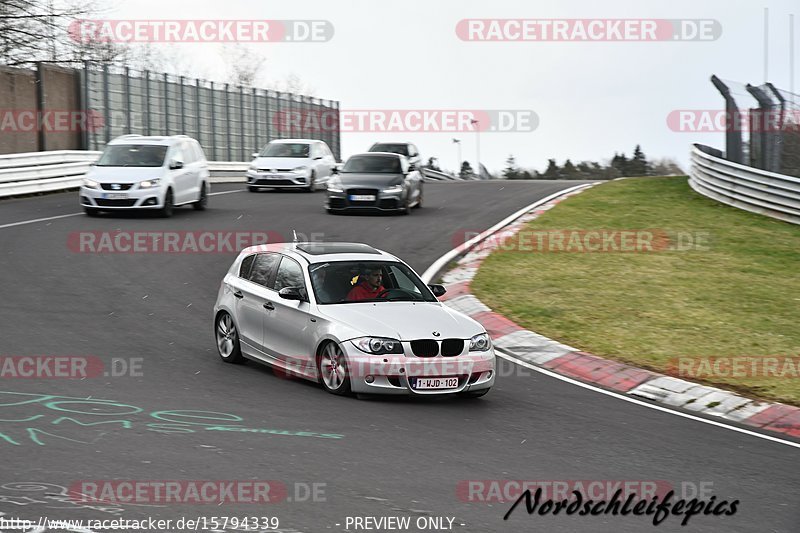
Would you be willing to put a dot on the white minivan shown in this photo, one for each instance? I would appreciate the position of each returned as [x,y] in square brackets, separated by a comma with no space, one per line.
[147,172]
[305,164]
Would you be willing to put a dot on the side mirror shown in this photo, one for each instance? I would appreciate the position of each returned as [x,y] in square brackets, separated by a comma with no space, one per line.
[412,167]
[175,164]
[335,169]
[318,158]
[254,154]
[437,290]
[291,293]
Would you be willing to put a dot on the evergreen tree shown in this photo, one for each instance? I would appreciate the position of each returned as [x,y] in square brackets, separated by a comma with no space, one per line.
[638,165]
[511,172]
[466,171]
[552,172]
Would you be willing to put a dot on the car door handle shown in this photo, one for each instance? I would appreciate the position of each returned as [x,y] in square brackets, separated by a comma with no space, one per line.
[238,294]
[268,305]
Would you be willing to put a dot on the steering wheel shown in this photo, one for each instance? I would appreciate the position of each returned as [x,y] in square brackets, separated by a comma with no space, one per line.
[385,293]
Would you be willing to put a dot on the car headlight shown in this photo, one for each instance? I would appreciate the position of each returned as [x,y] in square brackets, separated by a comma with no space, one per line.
[480,343]
[90,184]
[149,184]
[394,189]
[335,185]
[300,170]
[378,345]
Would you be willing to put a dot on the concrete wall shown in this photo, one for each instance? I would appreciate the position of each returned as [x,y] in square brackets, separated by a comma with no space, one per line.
[32,116]
[17,96]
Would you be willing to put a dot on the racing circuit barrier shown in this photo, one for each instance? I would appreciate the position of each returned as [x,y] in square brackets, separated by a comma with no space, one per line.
[60,170]
[748,188]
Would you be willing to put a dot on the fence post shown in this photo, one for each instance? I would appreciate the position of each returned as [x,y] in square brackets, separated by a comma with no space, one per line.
[241,123]
[183,108]
[41,138]
[128,106]
[166,105]
[106,105]
[228,120]
[213,125]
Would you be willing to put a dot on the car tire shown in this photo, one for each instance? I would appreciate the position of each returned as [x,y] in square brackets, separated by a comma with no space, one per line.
[91,211]
[202,202]
[227,337]
[252,189]
[332,369]
[169,205]
[474,393]
[312,182]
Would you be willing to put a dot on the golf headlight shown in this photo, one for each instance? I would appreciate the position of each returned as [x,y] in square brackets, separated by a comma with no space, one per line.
[149,184]
[394,189]
[378,345]
[300,170]
[90,184]
[335,185]
[480,343]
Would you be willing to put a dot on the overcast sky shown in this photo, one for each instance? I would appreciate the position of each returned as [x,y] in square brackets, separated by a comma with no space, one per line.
[592,98]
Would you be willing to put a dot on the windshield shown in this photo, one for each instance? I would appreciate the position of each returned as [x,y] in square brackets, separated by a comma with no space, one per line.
[133,155]
[299,150]
[373,164]
[345,282]
[401,149]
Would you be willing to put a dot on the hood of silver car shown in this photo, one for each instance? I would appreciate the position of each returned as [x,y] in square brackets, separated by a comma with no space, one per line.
[124,174]
[403,320]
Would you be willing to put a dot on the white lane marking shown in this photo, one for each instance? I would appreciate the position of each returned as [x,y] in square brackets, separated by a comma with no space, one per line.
[11,225]
[643,403]
[439,264]
[455,252]
[33,221]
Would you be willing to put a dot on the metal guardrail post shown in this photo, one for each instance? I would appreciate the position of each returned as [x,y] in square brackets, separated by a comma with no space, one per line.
[733,137]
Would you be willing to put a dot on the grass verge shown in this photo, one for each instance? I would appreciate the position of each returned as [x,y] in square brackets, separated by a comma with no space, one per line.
[730,287]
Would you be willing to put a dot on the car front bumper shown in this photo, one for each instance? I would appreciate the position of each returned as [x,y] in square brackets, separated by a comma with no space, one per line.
[383,201]
[276,180]
[134,198]
[394,374]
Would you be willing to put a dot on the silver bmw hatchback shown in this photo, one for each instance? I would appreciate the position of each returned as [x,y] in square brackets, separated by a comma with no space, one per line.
[354,318]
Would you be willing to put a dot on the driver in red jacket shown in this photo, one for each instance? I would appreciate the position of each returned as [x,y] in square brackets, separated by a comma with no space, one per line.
[369,286]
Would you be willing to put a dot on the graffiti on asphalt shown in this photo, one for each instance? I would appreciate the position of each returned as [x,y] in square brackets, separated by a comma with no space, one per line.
[42,418]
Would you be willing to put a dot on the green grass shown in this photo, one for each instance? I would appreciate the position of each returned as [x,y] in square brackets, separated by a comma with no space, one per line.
[739,295]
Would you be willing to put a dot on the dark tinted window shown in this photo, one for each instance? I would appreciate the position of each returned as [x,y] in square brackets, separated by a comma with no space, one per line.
[289,275]
[263,268]
[247,263]
[133,155]
[373,164]
[394,148]
[285,150]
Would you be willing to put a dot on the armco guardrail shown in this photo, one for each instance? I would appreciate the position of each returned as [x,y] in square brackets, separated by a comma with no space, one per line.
[64,169]
[748,188]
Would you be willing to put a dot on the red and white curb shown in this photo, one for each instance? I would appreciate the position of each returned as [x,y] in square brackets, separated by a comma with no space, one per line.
[546,353]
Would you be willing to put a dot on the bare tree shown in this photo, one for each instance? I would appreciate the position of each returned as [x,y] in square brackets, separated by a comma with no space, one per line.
[243,64]
[293,84]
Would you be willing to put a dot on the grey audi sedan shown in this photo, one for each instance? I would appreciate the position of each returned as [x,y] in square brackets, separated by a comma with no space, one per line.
[354,318]
[376,181]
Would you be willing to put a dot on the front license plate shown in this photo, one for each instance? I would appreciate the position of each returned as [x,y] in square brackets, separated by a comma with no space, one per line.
[362,197]
[436,383]
[116,196]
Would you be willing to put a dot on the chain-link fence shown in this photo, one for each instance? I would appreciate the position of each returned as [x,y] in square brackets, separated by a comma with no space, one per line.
[230,122]
[770,118]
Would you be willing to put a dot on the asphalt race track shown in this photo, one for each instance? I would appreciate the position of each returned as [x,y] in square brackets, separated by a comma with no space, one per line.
[394,457]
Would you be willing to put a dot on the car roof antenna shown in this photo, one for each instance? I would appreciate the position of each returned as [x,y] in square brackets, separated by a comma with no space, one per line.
[294,237]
